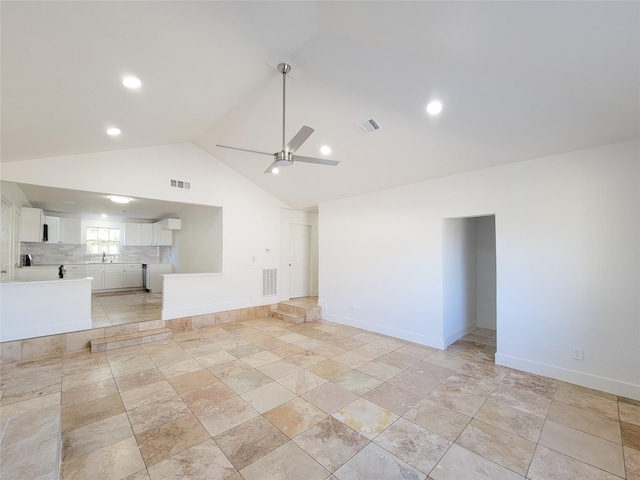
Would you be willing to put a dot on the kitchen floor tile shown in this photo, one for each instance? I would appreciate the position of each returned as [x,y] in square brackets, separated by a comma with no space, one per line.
[417,446]
[295,416]
[201,462]
[171,438]
[587,448]
[366,417]
[331,443]
[94,436]
[112,462]
[284,463]
[330,397]
[92,411]
[250,441]
[503,448]
[438,419]
[547,464]
[460,463]
[392,398]
[268,396]
[226,415]
[375,462]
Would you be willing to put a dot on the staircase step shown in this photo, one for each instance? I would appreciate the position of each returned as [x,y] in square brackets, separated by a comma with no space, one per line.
[129,339]
[287,316]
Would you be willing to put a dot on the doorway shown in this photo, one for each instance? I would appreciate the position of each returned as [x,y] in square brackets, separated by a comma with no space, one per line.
[469,278]
[299,260]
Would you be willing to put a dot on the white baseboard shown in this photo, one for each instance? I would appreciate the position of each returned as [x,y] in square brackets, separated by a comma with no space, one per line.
[596,382]
[385,330]
[459,334]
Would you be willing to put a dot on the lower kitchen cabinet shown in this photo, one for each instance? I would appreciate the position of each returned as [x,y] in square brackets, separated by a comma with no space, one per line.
[132,277]
[97,273]
[113,276]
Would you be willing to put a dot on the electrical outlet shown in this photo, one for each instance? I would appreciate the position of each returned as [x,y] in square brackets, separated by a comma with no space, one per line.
[577,354]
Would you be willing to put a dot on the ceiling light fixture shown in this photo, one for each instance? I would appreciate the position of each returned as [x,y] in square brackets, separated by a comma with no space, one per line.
[434,108]
[325,150]
[104,215]
[131,82]
[275,170]
[113,131]
[119,199]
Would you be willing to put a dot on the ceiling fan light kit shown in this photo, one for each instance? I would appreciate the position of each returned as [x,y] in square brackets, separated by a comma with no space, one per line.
[286,157]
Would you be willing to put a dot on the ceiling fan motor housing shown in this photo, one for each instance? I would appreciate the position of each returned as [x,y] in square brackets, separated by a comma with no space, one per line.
[283,158]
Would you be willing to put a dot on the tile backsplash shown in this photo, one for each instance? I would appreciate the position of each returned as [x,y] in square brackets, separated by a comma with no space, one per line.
[57,253]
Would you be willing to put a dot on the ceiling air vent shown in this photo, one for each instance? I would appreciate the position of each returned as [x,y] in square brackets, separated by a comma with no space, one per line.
[367,126]
[180,184]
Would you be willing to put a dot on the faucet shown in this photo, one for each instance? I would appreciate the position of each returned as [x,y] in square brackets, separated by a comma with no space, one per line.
[103,257]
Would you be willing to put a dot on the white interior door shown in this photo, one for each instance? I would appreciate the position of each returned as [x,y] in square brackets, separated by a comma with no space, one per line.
[299,253]
[5,241]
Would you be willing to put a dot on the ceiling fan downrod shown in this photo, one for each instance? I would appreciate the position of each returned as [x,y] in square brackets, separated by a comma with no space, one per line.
[284,68]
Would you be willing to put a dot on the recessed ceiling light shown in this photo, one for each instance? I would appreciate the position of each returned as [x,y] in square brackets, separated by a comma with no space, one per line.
[104,215]
[325,150]
[119,199]
[113,131]
[275,170]
[434,108]
[131,82]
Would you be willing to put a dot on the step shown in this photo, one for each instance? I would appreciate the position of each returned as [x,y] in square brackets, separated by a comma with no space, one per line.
[129,339]
[287,316]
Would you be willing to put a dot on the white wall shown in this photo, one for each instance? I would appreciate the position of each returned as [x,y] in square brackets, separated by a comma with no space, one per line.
[567,254]
[459,284]
[486,272]
[197,246]
[251,218]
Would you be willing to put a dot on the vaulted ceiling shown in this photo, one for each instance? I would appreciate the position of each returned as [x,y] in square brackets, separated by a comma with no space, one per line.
[518,80]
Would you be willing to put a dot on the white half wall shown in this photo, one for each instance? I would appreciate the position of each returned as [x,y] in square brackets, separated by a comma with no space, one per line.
[567,261]
[250,216]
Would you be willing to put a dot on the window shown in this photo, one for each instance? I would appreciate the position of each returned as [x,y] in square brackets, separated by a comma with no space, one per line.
[100,239]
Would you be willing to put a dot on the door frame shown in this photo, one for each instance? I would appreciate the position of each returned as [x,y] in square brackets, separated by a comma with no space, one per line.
[300,217]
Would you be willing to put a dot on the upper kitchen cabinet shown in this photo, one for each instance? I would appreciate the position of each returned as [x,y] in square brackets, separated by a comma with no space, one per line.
[63,230]
[154,234]
[70,231]
[138,234]
[31,224]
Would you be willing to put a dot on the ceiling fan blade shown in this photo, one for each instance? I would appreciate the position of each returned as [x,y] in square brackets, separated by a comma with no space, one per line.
[320,161]
[299,139]
[268,170]
[245,150]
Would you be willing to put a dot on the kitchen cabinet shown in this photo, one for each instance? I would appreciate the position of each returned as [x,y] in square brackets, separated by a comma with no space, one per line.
[147,233]
[74,272]
[35,274]
[162,236]
[53,229]
[31,224]
[113,277]
[97,273]
[138,234]
[63,230]
[132,234]
[70,231]
[132,277]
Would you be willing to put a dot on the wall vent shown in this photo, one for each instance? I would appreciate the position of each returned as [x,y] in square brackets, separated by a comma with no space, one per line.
[367,126]
[269,281]
[180,184]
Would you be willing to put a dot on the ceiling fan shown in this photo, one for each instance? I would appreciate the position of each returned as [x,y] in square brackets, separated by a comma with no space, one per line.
[286,157]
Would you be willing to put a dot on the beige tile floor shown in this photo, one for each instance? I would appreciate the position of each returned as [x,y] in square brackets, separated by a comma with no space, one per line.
[109,309]
[262,399]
